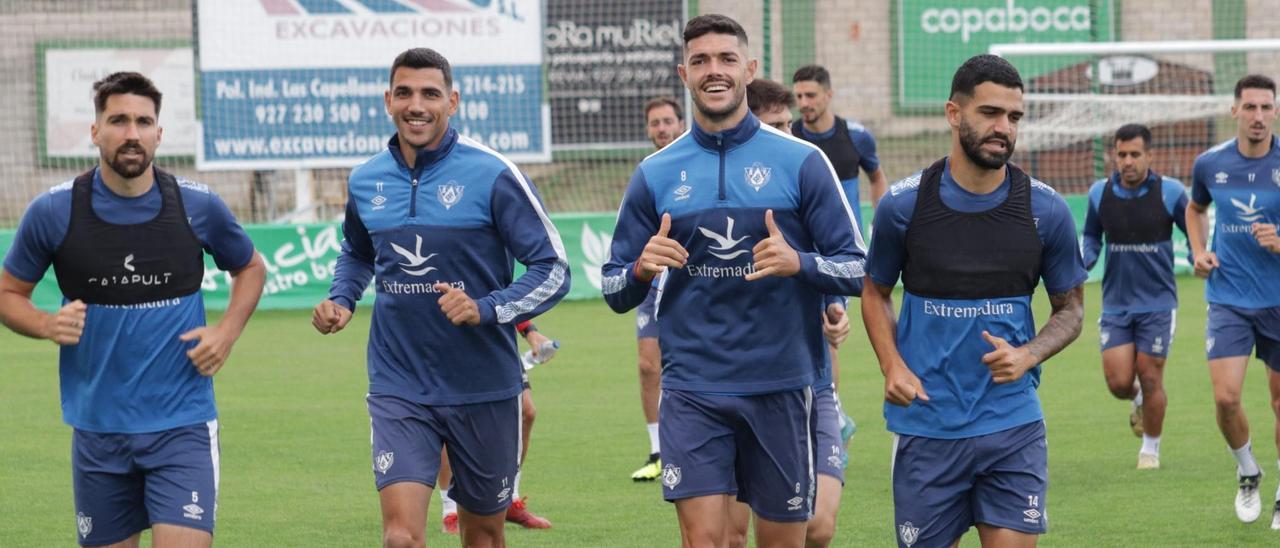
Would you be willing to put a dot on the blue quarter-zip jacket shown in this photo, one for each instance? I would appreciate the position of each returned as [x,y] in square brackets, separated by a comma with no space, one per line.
[721,333]
[460,216]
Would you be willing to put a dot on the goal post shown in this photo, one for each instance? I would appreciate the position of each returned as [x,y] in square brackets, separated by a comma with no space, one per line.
[1078,94]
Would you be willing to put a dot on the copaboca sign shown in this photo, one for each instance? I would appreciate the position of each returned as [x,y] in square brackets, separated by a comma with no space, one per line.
[933,37]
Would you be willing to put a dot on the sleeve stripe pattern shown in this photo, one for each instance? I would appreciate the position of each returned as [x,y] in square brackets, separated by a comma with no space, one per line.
[844,200]
[556,278]
[613,284]
[847,269]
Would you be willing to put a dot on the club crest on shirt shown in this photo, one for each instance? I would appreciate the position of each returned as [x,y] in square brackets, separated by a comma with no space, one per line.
[758,175]
[449,194]
[1275,176]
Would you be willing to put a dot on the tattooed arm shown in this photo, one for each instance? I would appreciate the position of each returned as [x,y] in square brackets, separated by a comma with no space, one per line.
[1008,363]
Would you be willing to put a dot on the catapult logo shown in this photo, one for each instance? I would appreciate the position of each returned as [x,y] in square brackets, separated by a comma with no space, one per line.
[399,19]
[131,277]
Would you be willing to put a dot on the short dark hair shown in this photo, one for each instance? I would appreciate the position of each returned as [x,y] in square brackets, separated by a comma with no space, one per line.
[984,68]
[120,83]
[661,101]
[762,94]
[713,23]
[1129,132]
[423,58]
[1255,81]
[815,73]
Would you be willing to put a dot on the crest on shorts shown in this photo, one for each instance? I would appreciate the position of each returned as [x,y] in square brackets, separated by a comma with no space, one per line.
[449,194]
[758,175]
[383,461]
[908,533]
[84,524]
[1105,336]
[1208,344]
[642,320]
[671,476]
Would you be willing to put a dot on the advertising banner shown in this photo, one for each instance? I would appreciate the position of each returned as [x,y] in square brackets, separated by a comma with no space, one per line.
[934,37]
[287,85]
[603,64]
[68,71]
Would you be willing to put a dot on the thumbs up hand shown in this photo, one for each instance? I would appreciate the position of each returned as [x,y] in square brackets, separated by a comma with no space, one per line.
[456,305]
[660,253]
[1007,362]
[773,255]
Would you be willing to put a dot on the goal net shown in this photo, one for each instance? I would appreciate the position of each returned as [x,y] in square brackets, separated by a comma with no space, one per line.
[1077,95]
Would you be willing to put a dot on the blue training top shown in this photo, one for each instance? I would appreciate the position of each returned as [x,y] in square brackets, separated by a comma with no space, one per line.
[460,216]
[130,373]
[1247,191]
[865,142]
[941,339]
[1139,277]
[721,333]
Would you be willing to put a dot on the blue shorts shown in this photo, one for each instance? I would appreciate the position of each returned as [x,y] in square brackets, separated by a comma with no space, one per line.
[1234,331]
[125,483]
[943,487]
[830,447]
[647,316]
[1150,332]
[759,448]
[483,440]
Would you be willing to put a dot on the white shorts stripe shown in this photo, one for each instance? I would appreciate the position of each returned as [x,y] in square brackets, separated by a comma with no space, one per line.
[215,459]
[808,441]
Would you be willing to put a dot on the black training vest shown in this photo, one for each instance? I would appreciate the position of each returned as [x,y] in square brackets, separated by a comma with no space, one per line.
[839,148]
[982,255]
[109,264]
[1141,220]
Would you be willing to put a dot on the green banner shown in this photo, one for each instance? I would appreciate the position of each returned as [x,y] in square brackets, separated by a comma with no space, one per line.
[934,37]
[300,259]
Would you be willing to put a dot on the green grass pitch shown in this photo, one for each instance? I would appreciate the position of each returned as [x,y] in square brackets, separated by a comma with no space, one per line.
[295,444]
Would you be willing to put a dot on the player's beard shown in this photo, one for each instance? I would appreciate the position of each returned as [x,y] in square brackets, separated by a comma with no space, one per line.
[971,142]
[739,94]
[810,116]
[1266,135]
[130,168]
[662,140]
[1132,178]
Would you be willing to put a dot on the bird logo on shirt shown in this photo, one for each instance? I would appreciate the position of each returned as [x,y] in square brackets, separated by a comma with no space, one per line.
[414,259]
[724,243]
[1251,212]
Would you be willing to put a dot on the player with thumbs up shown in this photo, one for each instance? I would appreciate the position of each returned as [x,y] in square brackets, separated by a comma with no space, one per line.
[971,237]
[751,228]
